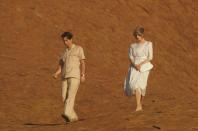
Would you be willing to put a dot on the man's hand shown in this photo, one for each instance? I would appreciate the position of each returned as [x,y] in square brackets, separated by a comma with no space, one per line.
[55,76]
[82,78]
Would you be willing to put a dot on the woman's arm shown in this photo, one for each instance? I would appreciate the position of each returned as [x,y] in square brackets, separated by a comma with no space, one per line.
[131,57]
[149,56]
[147,60]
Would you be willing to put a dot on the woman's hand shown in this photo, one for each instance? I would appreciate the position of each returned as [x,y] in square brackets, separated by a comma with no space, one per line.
[137,67]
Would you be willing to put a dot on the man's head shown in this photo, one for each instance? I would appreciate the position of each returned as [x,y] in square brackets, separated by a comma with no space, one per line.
[67,38]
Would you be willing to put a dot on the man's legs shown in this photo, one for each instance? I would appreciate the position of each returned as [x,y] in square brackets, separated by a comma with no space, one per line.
[65,95]
[64,89]
[72,89]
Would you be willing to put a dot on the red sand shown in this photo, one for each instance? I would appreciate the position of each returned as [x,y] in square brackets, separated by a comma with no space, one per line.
[30,47]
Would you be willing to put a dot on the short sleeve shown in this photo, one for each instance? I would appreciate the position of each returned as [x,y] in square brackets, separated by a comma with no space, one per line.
[81,53]
[150,51]
[62,59]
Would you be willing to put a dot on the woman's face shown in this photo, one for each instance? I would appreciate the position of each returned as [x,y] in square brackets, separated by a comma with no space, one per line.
[139,38]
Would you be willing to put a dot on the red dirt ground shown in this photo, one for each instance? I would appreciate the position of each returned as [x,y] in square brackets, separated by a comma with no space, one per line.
[31,45]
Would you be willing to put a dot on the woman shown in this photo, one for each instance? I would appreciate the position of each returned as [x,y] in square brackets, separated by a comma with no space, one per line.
[140,53]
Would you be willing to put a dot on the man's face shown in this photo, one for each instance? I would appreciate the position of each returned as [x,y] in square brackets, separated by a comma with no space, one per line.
[67,42]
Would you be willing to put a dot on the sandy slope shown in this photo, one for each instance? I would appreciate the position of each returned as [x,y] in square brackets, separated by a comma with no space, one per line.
[30,47]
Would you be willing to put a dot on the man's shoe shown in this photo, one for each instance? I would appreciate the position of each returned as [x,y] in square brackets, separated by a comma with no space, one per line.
[73,120]
[65,118]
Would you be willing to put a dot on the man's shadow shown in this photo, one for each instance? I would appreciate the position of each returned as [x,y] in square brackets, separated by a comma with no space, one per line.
[66,121]
[43,124]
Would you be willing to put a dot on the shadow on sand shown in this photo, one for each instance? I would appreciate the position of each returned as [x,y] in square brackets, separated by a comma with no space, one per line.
[43,124]
[50,124]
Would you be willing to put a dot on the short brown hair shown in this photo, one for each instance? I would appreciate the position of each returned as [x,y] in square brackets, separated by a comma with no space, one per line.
[139,31]
[68,35]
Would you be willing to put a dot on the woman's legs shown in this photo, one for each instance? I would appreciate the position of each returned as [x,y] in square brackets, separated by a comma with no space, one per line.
[142,98]
[138,99]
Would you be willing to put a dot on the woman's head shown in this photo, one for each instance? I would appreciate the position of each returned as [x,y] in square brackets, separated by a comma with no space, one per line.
[138,32]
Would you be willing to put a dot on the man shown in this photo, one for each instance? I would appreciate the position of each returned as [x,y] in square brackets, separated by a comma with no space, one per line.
[72,68]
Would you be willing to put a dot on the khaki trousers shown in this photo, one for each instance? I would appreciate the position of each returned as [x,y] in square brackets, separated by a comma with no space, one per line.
[69,90]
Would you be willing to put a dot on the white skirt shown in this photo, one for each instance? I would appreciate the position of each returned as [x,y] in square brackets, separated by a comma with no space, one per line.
[134,81]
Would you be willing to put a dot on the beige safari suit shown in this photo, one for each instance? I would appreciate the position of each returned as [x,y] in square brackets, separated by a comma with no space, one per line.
[70,62]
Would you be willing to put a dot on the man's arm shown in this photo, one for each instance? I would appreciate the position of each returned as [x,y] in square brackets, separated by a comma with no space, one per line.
[82,66]
[57,72]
